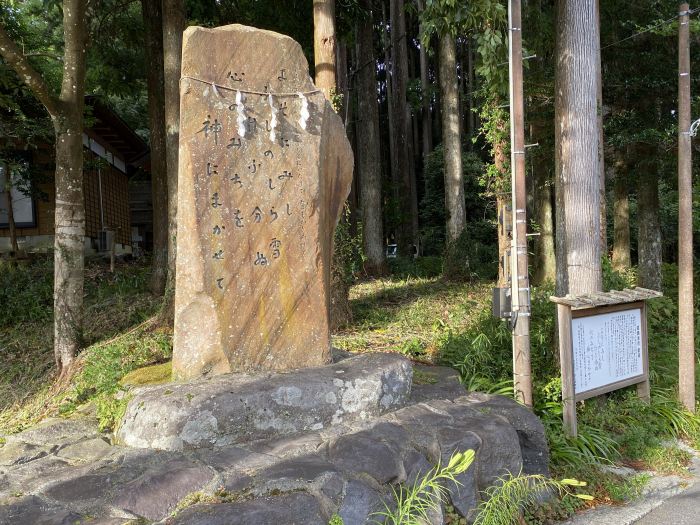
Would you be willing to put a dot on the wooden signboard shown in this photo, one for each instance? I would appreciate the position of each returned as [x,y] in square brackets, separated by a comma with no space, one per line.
[603,346]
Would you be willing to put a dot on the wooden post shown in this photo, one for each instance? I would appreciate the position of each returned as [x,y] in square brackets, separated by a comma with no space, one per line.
[520,283]
[686,350]
[567,369]
[112,242]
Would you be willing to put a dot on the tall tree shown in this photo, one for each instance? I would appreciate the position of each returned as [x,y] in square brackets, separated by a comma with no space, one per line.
[407,236]
[621,259]
[153,24]
[649,237]
[544,258]
[426,117]
[174,22]
[577,138]
[324,60]
[66,112]
[368,148]
[601,142]
[451,138]
[324,46]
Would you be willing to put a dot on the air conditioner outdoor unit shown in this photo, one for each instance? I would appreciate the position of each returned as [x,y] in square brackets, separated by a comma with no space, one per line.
[105,238]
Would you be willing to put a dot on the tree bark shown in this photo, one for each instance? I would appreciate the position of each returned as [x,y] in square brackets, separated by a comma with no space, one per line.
[601,143]
[369,164]
[426,118]
[649,236]
[324,46]
[10,211]
[153,23]
[454,180]
[621,259]
[341,73]
[406,236]
[66,113]
[388,73]
[471,116]
[324,60]
[545,260]
[577,139]
[70,207]
[174,22]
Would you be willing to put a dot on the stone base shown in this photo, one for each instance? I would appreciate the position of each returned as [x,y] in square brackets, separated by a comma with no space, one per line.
[237,408]
[61,473]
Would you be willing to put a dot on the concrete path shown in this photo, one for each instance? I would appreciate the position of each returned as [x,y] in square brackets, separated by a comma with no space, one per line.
[667,500]
[683,509]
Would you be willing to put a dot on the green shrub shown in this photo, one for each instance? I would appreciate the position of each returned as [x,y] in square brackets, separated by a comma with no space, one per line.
[432,206]
[26,291]
[474,254]
[418,267]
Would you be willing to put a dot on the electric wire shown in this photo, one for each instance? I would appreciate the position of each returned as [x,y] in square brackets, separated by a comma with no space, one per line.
[648,29]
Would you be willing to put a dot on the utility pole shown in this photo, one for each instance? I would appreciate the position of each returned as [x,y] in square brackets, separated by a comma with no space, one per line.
[686,346]
[520,282]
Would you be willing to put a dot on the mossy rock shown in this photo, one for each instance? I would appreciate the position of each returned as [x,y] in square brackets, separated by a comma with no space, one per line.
[149,375]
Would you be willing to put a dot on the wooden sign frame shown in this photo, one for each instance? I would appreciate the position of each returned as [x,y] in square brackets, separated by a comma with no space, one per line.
[570,308]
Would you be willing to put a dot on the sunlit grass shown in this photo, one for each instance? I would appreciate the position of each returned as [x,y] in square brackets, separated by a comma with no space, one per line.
[409,316]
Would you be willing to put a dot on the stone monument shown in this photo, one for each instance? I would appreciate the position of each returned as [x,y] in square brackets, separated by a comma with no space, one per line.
[265,168]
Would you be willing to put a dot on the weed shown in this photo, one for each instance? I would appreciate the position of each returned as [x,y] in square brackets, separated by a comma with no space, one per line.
[427,493]
[503,503]
[336,520]
[625,489]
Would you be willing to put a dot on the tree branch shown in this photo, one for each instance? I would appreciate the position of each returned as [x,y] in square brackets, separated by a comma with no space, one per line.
[26,72]
[47,55]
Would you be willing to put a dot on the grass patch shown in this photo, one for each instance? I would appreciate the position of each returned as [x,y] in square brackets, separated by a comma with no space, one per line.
[117,336]
[412,316]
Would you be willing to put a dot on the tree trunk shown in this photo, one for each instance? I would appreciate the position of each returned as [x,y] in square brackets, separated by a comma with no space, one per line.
[341,73]
[10,211]
[174,22]
[324,60]
[454,182]
[649,236]
[369,164]
[66,113]
[400,161]
[621,259]
[70,207]
[413,184]
[426,118]
[153,24]
[324,46]
[386,43]
[577,139]
[601,143]
[471,116]
[545,260]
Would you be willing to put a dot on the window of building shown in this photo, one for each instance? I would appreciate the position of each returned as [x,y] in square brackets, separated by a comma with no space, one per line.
[22,205]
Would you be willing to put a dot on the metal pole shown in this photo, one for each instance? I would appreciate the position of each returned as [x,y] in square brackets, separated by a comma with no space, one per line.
[520,282]
[686,350]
